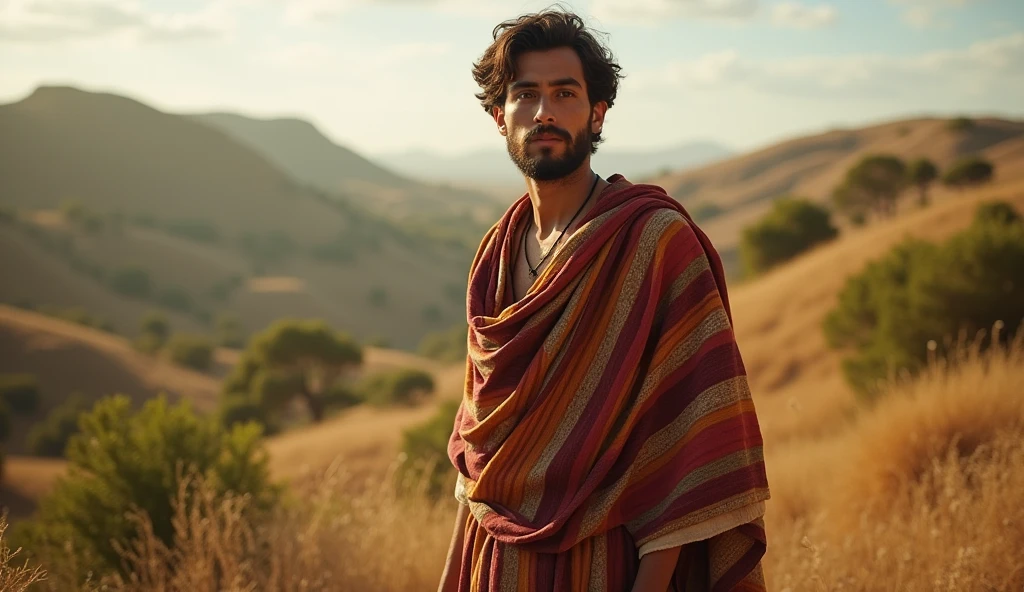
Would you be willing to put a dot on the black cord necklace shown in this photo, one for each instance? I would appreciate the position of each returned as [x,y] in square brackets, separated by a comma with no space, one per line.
[533,270]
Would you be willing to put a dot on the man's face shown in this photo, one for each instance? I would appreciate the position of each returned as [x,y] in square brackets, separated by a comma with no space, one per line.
[547,121]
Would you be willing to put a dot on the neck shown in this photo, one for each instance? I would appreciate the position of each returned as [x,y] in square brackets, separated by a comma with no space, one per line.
[555,202]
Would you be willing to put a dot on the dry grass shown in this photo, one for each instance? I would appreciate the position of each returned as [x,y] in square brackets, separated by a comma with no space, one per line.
[922,492]
[15,575]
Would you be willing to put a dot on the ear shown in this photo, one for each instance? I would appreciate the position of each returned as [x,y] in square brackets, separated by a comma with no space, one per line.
[597,113]
[499,119]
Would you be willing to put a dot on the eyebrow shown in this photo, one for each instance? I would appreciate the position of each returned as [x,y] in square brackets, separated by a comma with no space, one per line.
[570,81]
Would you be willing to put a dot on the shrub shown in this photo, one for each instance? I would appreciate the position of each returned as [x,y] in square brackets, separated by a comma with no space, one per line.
[426,447]
[20,392]
[131,281]
[792,227]
[400,387]
[5,421]
[968,172]
[959,124]
[156,329]
[230,332]
[123,461]
[922,292]
[998,212]
[192,351]
[175,298]
[50,437]
[239,408]
[446,346]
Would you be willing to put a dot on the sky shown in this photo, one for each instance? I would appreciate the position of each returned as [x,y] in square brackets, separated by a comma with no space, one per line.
[394,75]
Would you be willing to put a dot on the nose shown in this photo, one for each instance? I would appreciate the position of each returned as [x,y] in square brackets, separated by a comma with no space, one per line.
[544,113]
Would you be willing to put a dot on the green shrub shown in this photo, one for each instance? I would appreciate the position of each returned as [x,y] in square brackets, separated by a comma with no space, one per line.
[790,228]
[922,292]
[175,298]
[446,346]
[426,449]
[968,172]
[959,124]
[399,387]
[5,421]
[131,281]
[998,212]
[230,332]
[339,397]
[192,351]
[239,408]
[123,461]
[50,437]
[20,392]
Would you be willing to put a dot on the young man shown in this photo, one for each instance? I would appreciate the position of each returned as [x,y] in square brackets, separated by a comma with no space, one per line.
[606,439]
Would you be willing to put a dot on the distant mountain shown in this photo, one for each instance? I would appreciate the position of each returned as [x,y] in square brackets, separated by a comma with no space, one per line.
[297,147]
[492,168]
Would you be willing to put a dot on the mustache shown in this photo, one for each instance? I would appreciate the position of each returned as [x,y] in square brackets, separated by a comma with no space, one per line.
[548,129]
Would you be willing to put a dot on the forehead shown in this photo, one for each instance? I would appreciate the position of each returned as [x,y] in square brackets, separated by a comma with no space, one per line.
[547,65]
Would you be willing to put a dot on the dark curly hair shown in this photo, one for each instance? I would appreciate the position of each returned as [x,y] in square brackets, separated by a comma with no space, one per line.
[537,32]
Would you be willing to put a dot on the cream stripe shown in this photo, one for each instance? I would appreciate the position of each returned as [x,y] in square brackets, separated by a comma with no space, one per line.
[704,530]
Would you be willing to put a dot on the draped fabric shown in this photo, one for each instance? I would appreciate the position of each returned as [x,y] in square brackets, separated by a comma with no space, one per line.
[606,409]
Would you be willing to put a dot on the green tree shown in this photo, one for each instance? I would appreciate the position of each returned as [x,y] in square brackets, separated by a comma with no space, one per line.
[400,387]
[790,228]
[123,461]
[922,173]
[50,437]
[923,292]
[996,212]
[446,346]
[131,281]
[192,351]
[293,358]
[155,331]
[426,450]
[873,184]
[230,332]
[968,172]
[20,392]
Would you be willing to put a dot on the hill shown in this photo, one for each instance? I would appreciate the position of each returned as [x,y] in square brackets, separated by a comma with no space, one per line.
[298,148]
[742,188]
[493,169]
[214,224]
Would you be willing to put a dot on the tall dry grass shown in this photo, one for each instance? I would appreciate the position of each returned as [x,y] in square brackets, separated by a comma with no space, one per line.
[15,575]
[921,492]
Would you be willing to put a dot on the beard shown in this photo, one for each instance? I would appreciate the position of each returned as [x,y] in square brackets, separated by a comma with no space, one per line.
[545,166]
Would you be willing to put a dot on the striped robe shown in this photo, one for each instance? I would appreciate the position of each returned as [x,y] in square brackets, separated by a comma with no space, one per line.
[607,413]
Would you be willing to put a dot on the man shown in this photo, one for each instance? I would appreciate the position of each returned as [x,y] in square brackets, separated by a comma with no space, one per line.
[606,439]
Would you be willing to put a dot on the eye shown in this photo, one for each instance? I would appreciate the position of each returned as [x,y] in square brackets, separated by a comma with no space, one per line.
[566,93]
[523,94]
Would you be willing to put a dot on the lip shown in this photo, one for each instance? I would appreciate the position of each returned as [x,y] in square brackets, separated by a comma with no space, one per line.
[546,139]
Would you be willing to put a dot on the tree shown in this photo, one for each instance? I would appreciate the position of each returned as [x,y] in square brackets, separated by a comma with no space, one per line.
[996,212]
[20,392]
[230,332]
[192,351]
[50,437]
[155,330]
[397,387]
[922,173]
[124,461]
[446,346]
[293,358]
[873,184]
[426,448]
[968,172]
[790,228]
[923,292]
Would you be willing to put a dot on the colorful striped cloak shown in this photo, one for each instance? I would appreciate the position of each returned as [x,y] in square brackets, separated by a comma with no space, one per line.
[607,409]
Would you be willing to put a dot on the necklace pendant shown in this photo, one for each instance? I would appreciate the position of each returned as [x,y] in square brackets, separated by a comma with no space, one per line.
[533,273]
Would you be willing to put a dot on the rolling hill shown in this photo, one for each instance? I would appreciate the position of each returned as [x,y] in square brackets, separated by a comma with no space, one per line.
[197,210]
[743,187]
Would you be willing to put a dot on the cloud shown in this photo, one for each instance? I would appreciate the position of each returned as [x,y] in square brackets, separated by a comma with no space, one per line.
[653,11]
[319,57]
[927,14]
[46,21]
[986,67]
[800,16]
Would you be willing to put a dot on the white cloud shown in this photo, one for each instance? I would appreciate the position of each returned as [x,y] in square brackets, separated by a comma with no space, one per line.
[801,16]
[992,66]
[653,11]
[927,14]
[43,21]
